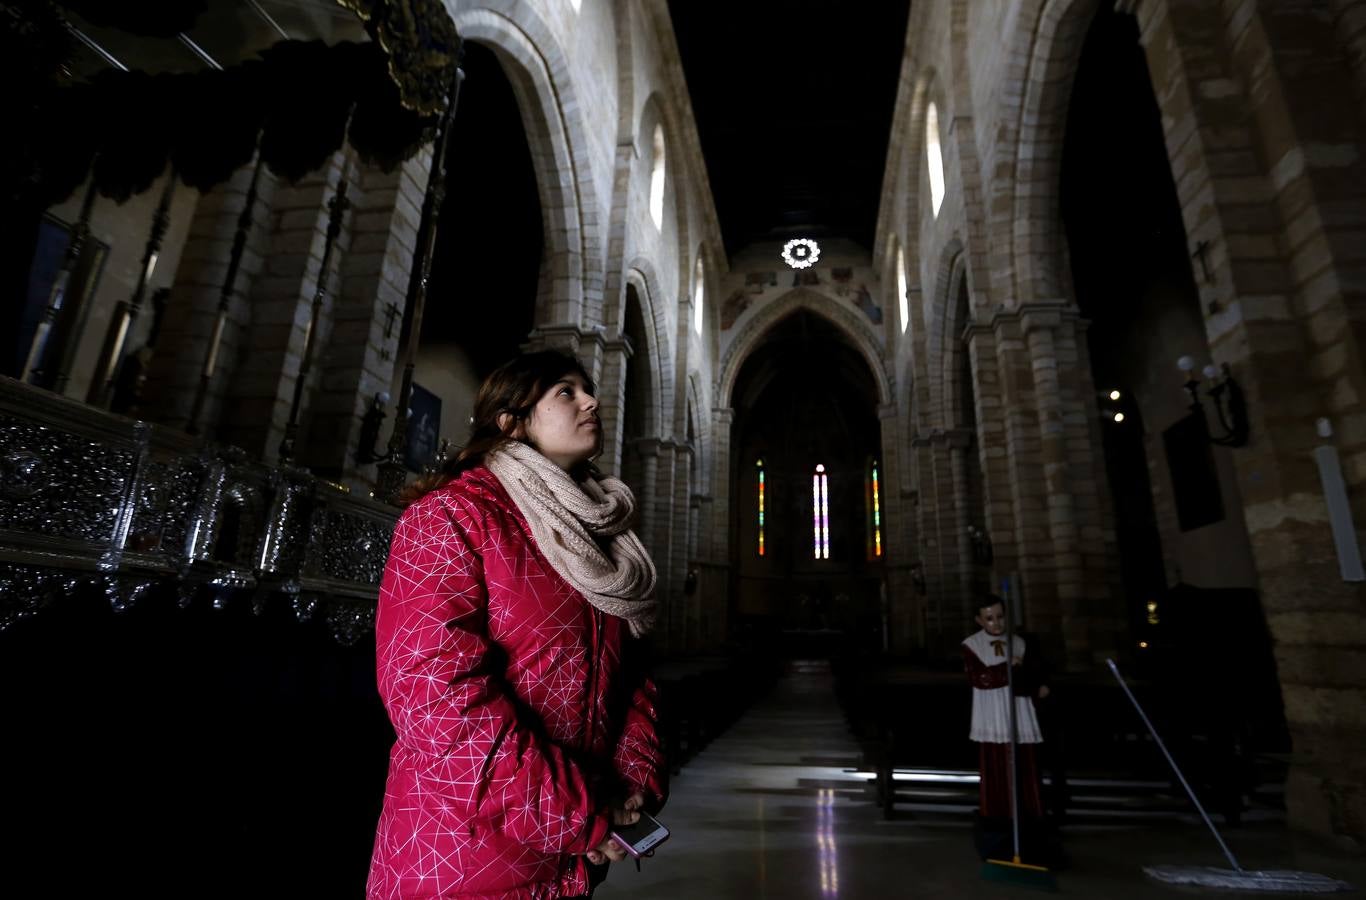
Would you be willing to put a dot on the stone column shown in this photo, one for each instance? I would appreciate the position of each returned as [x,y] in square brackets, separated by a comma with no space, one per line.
[715,585]
[1039,326]
[678,543]
[367,317]
[192,309]
[257,408]
[661,460]
[1028,490]
[1282,301]
[993,451]
[904,607]
[616,354]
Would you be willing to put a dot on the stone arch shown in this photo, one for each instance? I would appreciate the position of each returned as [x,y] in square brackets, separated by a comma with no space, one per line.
[656,111]
[851,323]
[903,225]
[701,429]
[951,348]
[1030,225]
[640,275]
[700,259]
[539,72]
[949,271]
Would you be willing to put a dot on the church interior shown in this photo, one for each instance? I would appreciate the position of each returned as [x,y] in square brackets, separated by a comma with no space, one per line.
[890,307]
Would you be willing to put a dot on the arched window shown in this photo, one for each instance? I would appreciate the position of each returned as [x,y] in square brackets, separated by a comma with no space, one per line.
[934,158]
[902,301]
[874,511]
[657,179]
[820,512]
[699,293]
[761,499]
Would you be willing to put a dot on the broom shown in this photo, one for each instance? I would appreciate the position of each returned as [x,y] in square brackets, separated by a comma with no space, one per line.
[1015,871]
[1236,878]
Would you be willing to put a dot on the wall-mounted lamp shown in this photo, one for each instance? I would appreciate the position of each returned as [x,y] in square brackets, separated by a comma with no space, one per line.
[1109,409]
[1229,403]
[370,425]
[982,552]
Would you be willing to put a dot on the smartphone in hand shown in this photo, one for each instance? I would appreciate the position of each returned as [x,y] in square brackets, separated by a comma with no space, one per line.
[642,837]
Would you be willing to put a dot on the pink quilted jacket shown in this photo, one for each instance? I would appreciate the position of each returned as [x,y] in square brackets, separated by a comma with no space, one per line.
[519,720]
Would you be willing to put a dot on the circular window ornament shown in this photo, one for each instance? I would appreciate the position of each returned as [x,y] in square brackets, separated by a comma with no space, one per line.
[801,253]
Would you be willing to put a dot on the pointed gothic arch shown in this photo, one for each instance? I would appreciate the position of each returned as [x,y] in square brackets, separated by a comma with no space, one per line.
[537,67]
[853,325]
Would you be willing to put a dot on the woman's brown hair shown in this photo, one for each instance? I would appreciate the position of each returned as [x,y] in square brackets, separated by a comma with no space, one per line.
[514,387]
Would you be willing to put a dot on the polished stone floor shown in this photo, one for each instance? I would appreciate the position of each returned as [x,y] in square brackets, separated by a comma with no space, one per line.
[775,808]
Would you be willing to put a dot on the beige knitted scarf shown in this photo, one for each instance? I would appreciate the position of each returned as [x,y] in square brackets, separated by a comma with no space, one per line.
[566,516]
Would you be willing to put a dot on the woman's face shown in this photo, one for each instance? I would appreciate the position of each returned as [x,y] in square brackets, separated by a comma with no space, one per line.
[563,425]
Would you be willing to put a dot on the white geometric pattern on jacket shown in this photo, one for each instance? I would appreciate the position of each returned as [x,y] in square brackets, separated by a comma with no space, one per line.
[497,676]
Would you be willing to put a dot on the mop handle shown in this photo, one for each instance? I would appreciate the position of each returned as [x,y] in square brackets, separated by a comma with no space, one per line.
[1175,768]
[1014,728]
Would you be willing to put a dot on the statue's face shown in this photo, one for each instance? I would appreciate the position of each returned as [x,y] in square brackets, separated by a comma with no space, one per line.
[992,619]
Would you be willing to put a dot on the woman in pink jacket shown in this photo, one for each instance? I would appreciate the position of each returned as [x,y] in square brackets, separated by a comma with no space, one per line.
[505,657]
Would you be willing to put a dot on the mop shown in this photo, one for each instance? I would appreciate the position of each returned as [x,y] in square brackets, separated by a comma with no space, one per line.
[1236,878]
[1015,870]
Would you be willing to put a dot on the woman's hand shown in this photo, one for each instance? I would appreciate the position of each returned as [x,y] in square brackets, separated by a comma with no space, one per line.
[626,814]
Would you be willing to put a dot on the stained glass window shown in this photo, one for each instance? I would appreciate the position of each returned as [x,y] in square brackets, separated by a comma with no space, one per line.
[874,511]
[760,465]
[820,512]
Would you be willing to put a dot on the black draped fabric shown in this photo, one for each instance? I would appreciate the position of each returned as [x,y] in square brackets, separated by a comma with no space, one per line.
[421,44]
[60,144]
[384,132]
[311,90]
[135,133]
[220,124]
[294,103]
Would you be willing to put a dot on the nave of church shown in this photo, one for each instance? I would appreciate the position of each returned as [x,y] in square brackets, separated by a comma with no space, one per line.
[889,308]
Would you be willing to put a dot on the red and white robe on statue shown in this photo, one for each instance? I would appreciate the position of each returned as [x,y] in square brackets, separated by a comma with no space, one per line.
[985,660]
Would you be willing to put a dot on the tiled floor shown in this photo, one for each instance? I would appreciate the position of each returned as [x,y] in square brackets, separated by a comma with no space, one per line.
[771,809]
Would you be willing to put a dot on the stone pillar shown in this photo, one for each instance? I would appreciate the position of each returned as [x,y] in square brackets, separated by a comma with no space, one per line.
[662,533]
[1028,491]
[367,317]
[960,446]
[715,586]
[616,354]
[647,500]
[1065,583]
[695,634]
[993,449]
[1282,300]
[904,607]
[192,309]
[257,408]
[678,543]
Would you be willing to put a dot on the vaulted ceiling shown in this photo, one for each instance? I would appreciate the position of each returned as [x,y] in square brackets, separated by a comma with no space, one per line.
[794,105]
